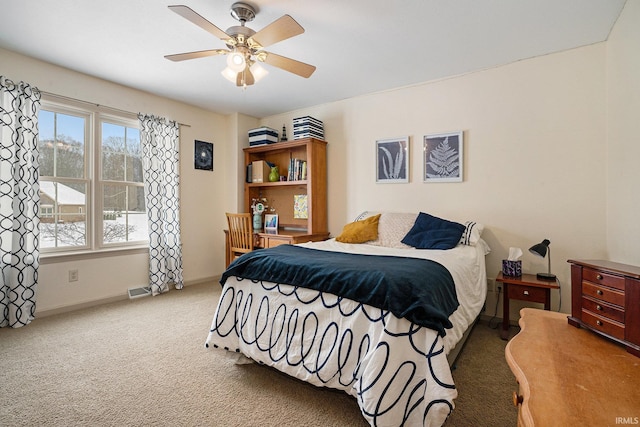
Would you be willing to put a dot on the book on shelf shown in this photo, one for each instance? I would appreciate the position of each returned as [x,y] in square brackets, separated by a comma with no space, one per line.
[297,170]
[249,177]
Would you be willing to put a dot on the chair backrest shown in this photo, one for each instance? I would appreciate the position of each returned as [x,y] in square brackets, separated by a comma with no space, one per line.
[240,232]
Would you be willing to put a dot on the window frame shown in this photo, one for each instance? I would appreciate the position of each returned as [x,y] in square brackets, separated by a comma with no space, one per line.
[94,115]
[100,182]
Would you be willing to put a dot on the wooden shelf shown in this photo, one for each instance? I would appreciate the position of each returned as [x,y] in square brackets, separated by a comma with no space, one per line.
[280,194]
[277,183]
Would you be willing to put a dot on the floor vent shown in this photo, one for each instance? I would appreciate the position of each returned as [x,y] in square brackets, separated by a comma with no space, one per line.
[139,292]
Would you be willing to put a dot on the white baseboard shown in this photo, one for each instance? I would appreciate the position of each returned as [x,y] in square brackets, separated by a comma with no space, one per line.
[79,306]
[100,301]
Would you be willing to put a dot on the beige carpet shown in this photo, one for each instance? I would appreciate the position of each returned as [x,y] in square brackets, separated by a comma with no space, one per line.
[143,363]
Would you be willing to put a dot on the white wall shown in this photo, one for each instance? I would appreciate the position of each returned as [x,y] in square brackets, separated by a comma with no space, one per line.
[550,152]
[535,156]
[623,137]
[202,194]
[239,125]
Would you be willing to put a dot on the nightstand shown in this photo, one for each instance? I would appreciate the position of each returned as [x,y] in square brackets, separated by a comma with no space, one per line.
[526,288]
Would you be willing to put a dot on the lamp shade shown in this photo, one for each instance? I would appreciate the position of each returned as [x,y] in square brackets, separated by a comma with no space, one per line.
[258,71]
[542,249]
[236,61]
[229,74]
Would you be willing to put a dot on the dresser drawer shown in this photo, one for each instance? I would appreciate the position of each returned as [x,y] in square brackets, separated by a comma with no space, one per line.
[527,293]
[603,309]
[603,324]
[272,242]
[603,293]
[604,279]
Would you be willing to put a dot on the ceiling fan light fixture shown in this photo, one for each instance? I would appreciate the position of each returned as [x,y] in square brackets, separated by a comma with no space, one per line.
[245,46]
[258,71]
[236,61]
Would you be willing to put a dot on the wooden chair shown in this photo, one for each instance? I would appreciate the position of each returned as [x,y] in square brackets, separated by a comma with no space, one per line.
[240,234]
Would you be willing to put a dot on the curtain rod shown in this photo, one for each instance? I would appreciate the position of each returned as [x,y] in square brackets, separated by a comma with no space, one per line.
[96,104]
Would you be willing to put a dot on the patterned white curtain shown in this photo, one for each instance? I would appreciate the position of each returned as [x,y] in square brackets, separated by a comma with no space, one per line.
[160,153]
[19,202]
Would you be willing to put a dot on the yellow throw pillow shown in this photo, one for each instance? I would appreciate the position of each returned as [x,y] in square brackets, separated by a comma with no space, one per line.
[360,231]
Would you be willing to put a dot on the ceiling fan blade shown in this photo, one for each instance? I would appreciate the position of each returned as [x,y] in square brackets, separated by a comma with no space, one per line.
[281,29]
[194,55]
[188,13]
[245,78]
[288,64]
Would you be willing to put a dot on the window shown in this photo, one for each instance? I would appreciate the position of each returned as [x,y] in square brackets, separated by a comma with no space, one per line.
[91,187]
[124,216]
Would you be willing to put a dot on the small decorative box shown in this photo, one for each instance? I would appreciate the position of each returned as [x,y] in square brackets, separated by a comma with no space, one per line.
[260,171]
[511,268]
[263,135]
[307,127]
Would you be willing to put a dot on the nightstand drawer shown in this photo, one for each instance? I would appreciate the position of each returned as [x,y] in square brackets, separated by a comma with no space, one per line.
[601,278]
[603,293]
[527,293]
[602,324]
[603,309]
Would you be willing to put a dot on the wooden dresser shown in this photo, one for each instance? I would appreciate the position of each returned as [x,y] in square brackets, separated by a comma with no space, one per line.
[605,298]
[569,376]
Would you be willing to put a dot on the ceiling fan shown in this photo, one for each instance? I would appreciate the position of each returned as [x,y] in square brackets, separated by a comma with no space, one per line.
[245,46]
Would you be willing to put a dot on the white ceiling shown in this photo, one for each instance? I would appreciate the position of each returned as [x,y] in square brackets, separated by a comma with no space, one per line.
[358,46]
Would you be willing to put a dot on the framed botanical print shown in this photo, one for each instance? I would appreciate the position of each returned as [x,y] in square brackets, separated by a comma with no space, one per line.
[443,156]
[392,160]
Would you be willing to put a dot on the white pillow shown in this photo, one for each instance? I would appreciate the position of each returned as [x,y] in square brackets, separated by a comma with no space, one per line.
[392,227]
[472,233]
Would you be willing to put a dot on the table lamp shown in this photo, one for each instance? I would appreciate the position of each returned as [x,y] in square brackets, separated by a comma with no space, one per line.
[541,250]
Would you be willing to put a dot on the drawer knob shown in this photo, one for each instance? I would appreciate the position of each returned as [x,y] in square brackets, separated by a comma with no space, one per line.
[598,322]
[526,292]
[599,292]
[599,307]
[599,276]
[517,399]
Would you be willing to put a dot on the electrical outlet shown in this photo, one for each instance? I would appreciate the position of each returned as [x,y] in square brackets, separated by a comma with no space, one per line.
[73,275]
[499,289]
[491,285]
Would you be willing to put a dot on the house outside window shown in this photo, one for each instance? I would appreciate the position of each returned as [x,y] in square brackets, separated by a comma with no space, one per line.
[91,188]
[46,211]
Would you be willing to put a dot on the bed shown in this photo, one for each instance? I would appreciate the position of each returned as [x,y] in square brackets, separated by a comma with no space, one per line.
[392,359]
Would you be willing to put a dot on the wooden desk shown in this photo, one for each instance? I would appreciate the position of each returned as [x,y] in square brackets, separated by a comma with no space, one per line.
[570,376]
[270,240]
[526,288]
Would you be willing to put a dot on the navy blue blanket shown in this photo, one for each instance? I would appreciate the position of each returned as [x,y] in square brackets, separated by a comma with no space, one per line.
[421,291]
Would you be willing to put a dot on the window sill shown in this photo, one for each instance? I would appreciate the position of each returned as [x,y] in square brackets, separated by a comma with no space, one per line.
[56,257]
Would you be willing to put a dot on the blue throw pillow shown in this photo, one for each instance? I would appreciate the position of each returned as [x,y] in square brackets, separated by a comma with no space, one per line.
[431,232]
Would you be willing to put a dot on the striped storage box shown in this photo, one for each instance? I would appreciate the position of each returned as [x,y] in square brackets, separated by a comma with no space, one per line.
[307,127]
[263,135]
